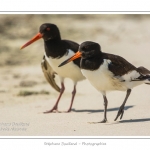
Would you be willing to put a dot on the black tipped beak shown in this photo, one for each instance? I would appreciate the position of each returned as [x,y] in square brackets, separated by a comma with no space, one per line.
[65,62]
[75,56]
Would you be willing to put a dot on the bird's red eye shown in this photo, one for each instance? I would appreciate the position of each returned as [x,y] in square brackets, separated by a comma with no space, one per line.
[47,29]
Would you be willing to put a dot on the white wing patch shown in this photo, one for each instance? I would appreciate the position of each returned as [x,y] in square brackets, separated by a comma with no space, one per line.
[108,61]
[132,75]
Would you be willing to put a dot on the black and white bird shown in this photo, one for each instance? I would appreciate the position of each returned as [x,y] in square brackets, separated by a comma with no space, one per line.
[108,72]
[56,51]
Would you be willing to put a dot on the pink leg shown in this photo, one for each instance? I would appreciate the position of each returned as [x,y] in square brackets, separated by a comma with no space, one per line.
[56,104]
[73,95]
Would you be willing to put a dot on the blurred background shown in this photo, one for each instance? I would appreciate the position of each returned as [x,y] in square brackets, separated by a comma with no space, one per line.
[24,92]
[20,70]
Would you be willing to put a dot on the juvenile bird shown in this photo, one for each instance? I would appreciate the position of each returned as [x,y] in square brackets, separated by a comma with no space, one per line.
[108,72]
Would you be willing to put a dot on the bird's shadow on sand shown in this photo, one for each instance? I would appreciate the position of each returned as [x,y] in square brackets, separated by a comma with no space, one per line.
[99,110]
[135,120]
[114,109]
[123,121]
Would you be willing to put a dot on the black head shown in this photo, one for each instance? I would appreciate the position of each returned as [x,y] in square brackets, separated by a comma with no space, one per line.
[89,49]
[86,50]
[49,31]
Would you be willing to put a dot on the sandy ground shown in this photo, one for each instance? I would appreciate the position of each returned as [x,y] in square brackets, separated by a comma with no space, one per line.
[25,94]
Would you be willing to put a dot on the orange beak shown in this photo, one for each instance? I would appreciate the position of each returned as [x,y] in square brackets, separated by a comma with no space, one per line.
[35,38]
[75,56]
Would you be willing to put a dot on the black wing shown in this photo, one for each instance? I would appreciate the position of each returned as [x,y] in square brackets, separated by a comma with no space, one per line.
[74,47]
[71,45]
[118,65]
[143,71]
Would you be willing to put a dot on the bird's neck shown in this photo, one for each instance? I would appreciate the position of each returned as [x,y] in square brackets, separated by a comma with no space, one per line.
[92,63]
[54,48]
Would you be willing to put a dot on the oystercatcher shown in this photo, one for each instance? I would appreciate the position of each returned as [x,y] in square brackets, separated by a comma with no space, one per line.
[56,51]
[108,72]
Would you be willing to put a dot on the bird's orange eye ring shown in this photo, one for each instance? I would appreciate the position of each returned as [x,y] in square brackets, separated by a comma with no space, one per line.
[47,29]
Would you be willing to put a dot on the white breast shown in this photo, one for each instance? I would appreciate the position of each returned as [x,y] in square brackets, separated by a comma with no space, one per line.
[69,70]
[102,79]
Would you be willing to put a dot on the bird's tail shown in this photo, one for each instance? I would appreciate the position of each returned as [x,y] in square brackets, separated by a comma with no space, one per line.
[147,81]
[145,74]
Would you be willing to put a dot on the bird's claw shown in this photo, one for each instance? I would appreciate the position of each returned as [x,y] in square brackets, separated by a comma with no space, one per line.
[69,110]
[120,112]
[53,110]
[104,120]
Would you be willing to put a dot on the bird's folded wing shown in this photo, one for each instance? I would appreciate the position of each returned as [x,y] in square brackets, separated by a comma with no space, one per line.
[118,65]
[49,74]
